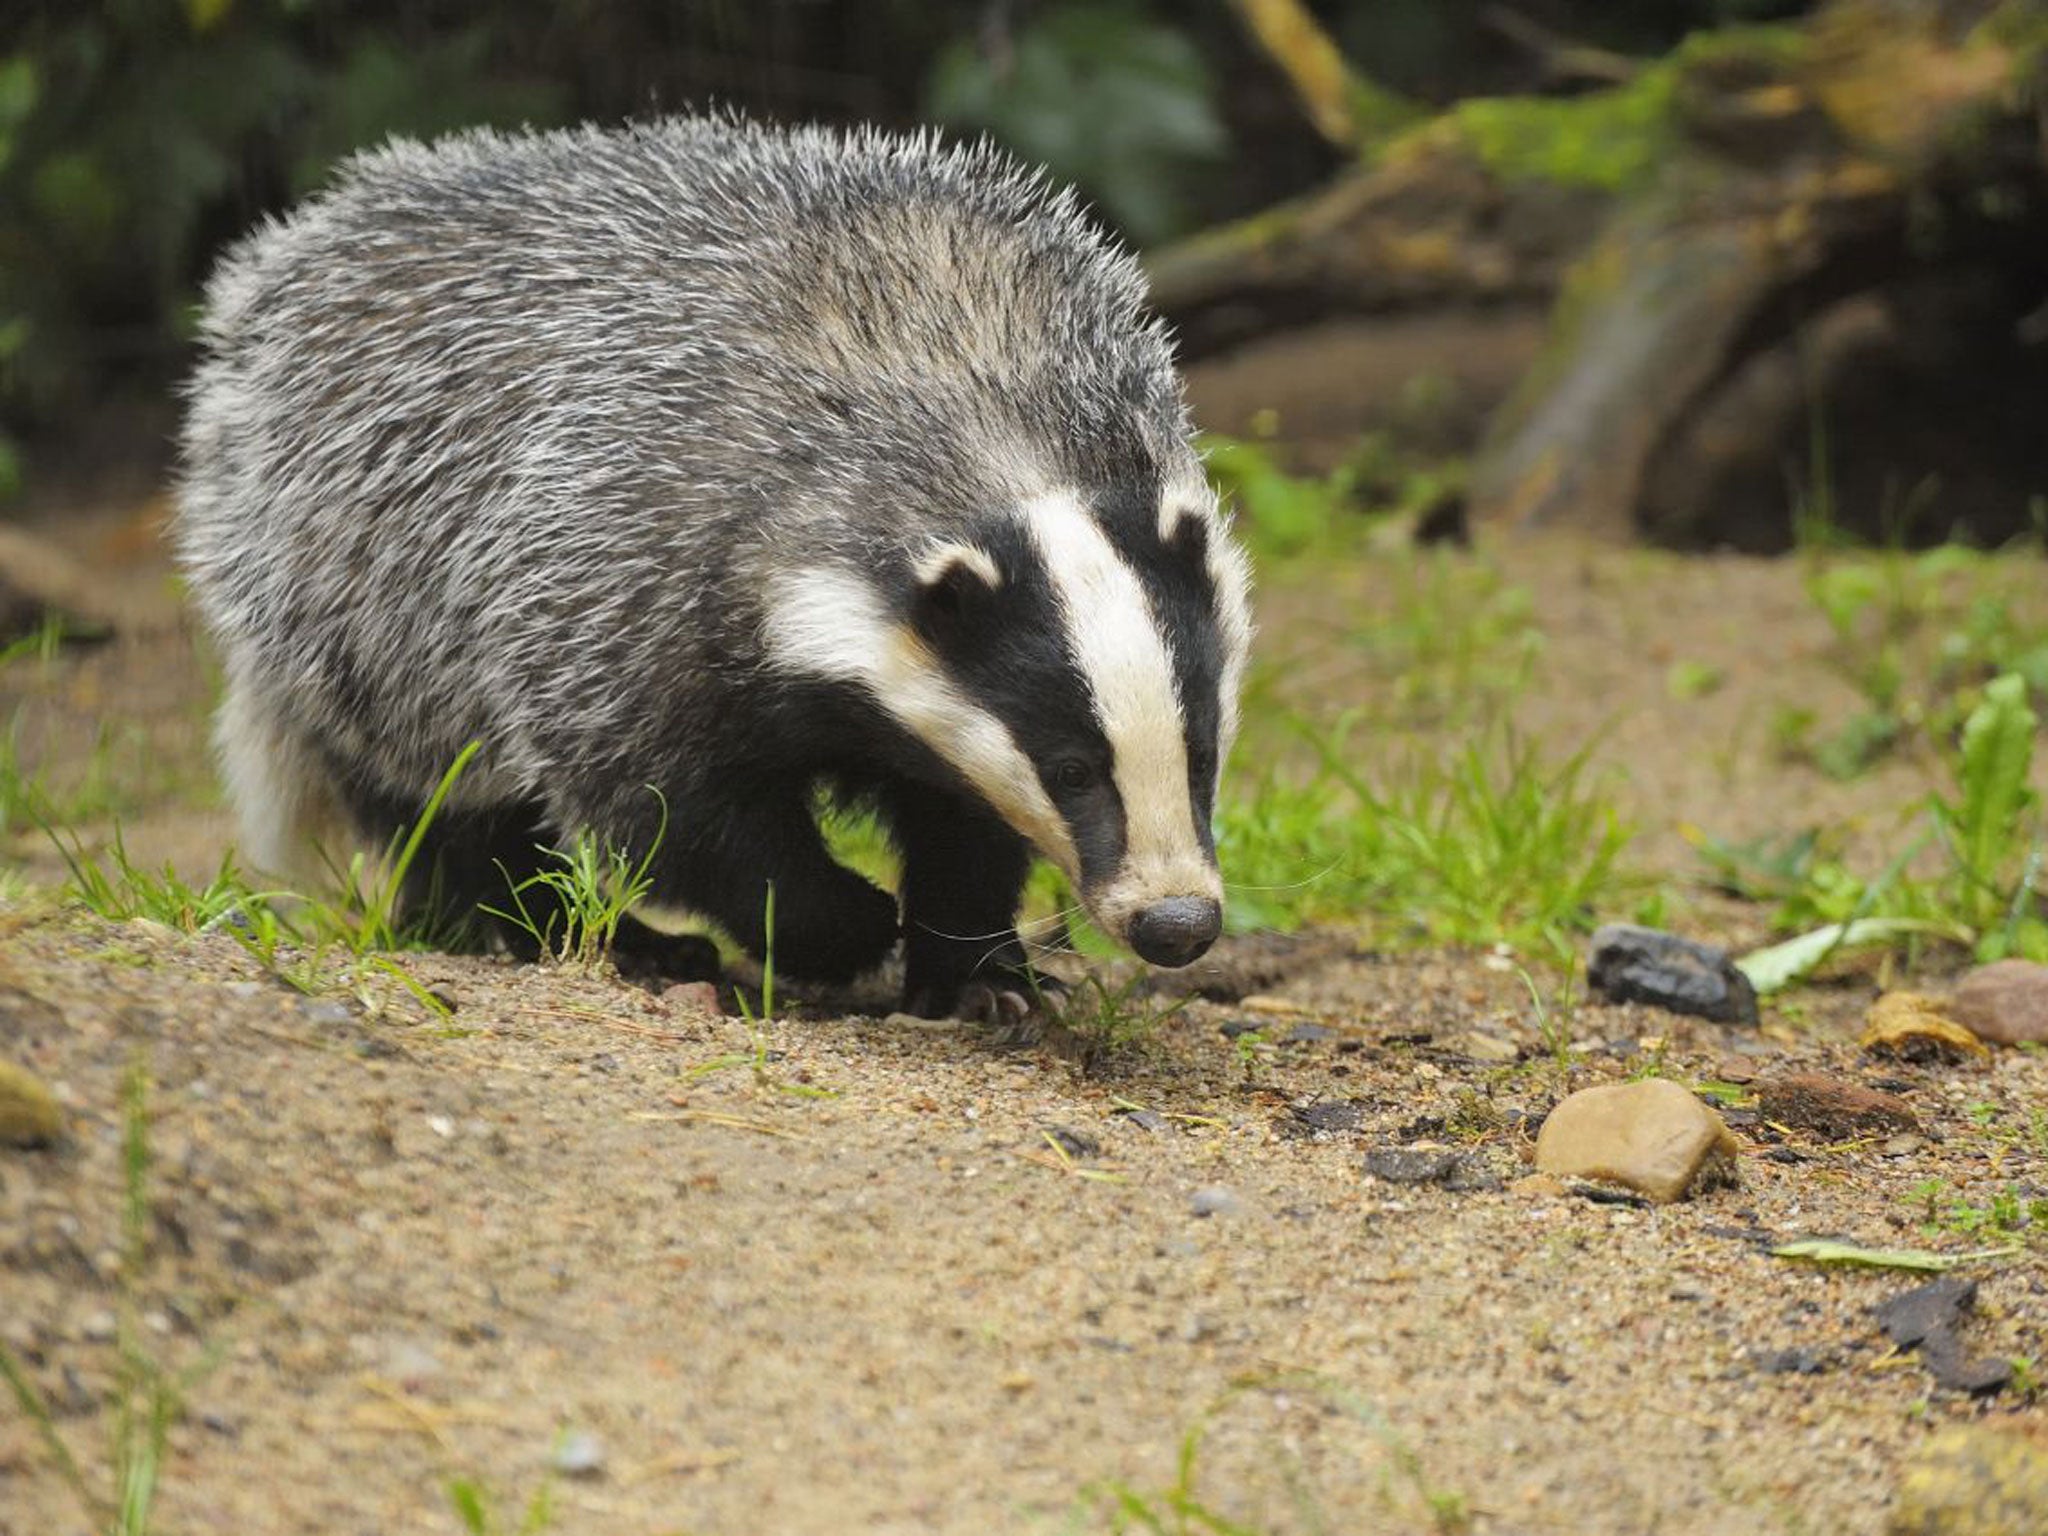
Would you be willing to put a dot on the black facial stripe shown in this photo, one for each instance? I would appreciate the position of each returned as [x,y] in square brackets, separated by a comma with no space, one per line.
[1014,661]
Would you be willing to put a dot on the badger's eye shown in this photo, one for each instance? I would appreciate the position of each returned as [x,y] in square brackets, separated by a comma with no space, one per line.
[1072,773]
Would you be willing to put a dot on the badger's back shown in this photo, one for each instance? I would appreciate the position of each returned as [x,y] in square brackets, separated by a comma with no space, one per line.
[502,438]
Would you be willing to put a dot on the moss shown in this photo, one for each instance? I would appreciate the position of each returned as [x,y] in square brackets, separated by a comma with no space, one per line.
[1610,140]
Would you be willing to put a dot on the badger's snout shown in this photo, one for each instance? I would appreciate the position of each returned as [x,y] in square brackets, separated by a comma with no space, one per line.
[1176,931]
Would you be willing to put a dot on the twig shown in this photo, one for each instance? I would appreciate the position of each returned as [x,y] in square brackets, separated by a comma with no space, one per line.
[1561,58]
[1296,42]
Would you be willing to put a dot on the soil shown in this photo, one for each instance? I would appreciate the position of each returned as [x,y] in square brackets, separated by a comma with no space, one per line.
[848,1272]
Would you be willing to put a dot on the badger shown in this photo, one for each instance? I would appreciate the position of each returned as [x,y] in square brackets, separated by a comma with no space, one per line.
[697,468]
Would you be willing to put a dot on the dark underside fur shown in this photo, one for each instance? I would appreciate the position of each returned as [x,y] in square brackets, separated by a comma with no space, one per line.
[726,837]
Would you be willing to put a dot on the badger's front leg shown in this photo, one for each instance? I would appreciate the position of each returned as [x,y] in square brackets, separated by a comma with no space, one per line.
[963,876]
[723,850]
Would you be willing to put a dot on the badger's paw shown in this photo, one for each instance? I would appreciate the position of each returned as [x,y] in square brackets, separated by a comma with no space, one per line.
[1014,1002]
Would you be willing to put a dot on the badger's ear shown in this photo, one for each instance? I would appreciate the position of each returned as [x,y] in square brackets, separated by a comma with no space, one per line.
[953,582]
[1184,529]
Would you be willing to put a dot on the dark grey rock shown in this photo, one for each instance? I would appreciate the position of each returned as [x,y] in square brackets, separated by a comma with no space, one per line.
[1337,1117]
[1631,964]
[1929,1318]
[1461,1172]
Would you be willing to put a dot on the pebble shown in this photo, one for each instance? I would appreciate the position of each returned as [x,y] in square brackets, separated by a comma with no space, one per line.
[1335,1117]
[2005,1002]
[1632,964]
[693,997]
[330,1011]
[1461,1172]
[1492,1049]
[1215,1200]
[1651,1136]
[1833,1108]
[1973,1480]
[29,1116]
[578,1454]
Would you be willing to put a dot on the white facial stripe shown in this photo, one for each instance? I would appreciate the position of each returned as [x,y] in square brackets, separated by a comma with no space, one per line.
[1118,647]
[1231,573]
[830,624]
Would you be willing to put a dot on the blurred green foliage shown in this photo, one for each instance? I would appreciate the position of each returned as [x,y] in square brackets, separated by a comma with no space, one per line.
[1121,103]
[139,136]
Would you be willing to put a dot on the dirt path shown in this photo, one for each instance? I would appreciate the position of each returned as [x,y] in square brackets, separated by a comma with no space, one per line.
[849,1274]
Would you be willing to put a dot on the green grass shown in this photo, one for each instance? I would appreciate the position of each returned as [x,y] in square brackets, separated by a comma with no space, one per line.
[119,1499]
[1494,844]
[1121,1017]
[584,898]
[477,1510]
[1969,863]
[1917,636]
[1182,1508]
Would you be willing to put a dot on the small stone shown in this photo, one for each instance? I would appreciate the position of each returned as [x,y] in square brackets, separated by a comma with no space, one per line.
[1973,1480]
[2005,1002]
[1540,1186]
[1308,1034]
[1410,1165]
[1651,1136]
[1913,1028]
[1474,1045]
[29,1116]
[327,1011]
[1791,1362]
[1833,1108]
[1144,1119]
[1329,1117]
[1905,1144]
[1215,1200]
[1631,964]
[699,997]
[99,1326]
[1074,1143]
[579,1454]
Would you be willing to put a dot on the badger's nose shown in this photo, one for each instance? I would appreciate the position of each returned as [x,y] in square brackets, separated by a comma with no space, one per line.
[1177,930]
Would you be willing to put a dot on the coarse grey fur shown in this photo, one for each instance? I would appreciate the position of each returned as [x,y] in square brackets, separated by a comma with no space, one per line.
[516,439]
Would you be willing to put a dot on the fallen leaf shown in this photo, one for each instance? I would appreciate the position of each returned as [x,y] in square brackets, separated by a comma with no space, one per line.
[1822,1250]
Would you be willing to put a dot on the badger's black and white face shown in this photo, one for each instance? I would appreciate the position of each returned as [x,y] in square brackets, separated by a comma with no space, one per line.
[1076,661]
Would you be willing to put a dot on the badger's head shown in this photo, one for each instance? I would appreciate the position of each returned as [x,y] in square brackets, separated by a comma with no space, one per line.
[1075,658]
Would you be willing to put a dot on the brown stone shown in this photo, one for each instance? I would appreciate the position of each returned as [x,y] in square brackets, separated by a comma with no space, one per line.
[29,1116]
[1913,1028]
[1833,1108]
[2005,1002]
[1651,1136]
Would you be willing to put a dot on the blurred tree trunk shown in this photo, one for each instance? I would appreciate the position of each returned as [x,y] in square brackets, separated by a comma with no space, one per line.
[1693,225]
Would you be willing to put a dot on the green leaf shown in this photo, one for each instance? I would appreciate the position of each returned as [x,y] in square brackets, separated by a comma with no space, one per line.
[1822,1250]
[1998,751]
[1777,966]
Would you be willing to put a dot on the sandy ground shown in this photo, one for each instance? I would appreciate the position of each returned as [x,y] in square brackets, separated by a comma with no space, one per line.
[842,1273]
